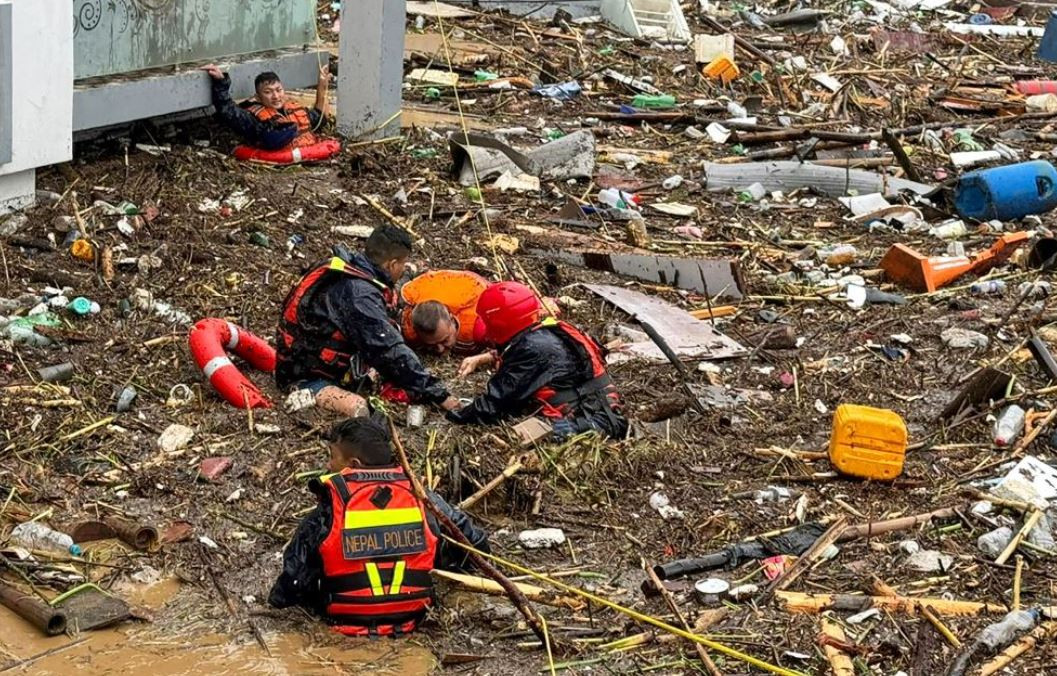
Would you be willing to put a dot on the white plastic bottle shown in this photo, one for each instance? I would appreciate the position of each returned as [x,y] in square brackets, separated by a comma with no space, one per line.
[34,535]
[1009,425]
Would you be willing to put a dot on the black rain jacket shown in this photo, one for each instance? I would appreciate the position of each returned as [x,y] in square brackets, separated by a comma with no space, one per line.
[530,362]
[357,308]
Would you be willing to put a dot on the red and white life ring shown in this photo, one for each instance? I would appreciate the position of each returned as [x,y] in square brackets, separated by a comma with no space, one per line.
[210,339]
[316,152]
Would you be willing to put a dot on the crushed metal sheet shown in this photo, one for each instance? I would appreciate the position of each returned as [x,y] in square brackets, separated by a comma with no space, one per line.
[571,156]
[722,277]
[687,336]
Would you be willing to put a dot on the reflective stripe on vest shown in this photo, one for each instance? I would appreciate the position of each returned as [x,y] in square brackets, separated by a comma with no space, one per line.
[380,592]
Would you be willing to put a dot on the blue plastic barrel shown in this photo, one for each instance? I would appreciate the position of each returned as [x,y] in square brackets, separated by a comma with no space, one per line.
[1007,193]
[1048,43]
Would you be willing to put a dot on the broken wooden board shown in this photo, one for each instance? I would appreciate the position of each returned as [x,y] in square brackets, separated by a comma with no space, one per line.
[721,276]
[987,384]
[437,9]
[430,47]
[688,337]
[431,118]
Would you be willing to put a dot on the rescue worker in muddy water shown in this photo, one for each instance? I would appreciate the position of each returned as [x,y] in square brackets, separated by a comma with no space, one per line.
[270,121]
[337,325]
[543,365]
[361,559]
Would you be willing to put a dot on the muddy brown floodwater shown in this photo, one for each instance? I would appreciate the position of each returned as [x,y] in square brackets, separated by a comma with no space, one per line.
[190,647]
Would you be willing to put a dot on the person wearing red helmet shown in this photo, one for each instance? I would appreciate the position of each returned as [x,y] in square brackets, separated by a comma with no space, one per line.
[543,364]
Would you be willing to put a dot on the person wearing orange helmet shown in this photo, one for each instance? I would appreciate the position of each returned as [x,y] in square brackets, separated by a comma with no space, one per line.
[543,364]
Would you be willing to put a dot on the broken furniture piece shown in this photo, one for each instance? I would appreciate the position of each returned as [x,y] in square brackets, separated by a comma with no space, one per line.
[650,19]
[926,274]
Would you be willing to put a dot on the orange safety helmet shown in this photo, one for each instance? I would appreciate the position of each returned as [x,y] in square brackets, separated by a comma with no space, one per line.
[506,309]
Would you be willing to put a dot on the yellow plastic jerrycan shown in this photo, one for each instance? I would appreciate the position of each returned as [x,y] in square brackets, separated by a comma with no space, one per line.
[867,442]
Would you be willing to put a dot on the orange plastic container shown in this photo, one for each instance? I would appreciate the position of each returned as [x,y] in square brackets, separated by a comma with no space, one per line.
[866,442]
[721,68]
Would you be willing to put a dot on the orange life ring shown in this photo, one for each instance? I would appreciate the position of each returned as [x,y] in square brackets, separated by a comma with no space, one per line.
[210,339]
[316,152]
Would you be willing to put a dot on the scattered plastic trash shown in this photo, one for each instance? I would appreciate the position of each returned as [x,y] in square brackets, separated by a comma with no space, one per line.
[125,398]
[929,561]
[541,538]
[660,503]
[566,91]
[175,437]
[1008,425]
[867,442]
[958,338]
[35,535]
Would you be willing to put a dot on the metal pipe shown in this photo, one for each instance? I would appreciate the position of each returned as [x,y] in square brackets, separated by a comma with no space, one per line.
[51,621]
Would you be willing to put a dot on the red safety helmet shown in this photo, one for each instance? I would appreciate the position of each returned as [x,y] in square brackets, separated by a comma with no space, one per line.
[506,309]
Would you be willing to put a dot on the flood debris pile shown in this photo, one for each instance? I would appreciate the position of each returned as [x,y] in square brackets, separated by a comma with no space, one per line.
[818,242]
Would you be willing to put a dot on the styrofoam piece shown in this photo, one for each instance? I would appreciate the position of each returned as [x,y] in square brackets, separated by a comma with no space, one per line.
[651,19]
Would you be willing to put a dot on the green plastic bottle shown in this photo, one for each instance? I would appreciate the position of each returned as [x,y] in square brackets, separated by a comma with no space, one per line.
[653,101]
[485,76]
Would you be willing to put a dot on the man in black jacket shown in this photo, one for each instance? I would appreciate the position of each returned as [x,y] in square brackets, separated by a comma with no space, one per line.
[270,121]
[338,323]
[543,365]
[368,571]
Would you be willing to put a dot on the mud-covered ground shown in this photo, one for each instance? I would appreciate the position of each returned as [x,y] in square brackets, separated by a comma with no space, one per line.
[202,260]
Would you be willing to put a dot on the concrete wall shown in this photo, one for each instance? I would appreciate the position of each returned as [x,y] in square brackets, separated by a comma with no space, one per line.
[371,68]
[41,118]
[120,36]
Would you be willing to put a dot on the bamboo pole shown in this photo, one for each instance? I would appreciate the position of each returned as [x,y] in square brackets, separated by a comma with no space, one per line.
[531,592]
[1029,523]
[519,463]
[838,659]
[641,617]
[1026,643]
[797,602]
[512,592]
[902,523]
[941,627]
[710,666]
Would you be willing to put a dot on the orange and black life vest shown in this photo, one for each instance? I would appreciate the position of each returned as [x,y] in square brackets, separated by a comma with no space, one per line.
[292,112]
[378,553]
[596,389]
[314,352]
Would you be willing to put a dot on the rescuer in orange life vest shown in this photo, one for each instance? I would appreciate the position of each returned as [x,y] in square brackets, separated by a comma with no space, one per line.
[270,121]
[361,559]
[547,365]
[337,324]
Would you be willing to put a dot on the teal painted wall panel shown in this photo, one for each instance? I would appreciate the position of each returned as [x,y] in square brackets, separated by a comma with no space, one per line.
[118,36]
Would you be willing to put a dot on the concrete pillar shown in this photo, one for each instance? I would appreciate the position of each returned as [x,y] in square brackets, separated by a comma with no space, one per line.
[36,94]
[370,67]
[17,191]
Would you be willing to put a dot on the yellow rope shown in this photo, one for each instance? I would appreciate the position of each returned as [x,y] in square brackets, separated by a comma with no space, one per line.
[547,635]
[500,267]
[718,647]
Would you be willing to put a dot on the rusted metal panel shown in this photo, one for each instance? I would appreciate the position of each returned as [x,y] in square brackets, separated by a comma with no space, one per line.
[118,36]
